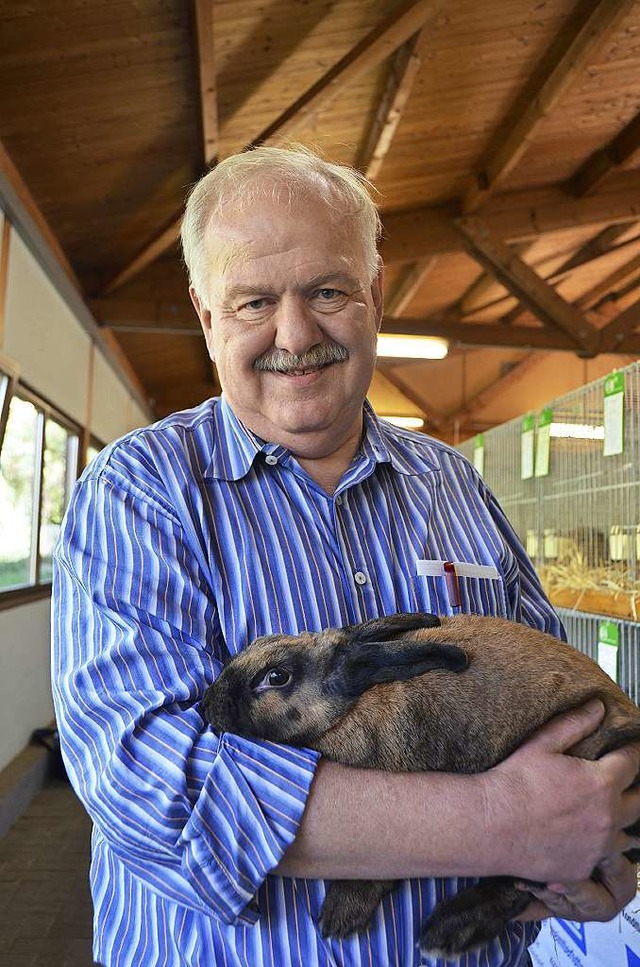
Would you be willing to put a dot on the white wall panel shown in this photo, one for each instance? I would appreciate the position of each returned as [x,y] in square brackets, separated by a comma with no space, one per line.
[43,336]
[24,672]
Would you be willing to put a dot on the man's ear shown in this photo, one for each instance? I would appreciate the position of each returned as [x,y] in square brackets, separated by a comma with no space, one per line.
[204,314]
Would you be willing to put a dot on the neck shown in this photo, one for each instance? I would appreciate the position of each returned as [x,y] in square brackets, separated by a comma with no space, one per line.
[327,466]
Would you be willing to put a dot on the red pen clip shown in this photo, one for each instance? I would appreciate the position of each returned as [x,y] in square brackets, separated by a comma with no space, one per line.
[452,584]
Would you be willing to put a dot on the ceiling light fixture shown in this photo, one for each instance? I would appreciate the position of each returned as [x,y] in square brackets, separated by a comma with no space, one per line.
[406,422]
[412,347]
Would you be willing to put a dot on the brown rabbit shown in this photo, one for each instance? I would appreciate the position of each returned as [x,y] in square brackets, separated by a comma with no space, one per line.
[411,693]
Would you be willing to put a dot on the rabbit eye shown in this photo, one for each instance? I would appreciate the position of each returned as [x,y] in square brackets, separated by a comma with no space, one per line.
[273,678]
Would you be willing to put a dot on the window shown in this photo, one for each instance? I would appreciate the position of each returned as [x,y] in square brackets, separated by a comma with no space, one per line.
[38,466]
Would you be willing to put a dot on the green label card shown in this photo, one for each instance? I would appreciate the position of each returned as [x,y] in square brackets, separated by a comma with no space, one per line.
[613,414]
[608,644]
[526,447]
[543,442]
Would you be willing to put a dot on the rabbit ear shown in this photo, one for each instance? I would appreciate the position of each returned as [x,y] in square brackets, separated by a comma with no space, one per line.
[363,664]
[382,629]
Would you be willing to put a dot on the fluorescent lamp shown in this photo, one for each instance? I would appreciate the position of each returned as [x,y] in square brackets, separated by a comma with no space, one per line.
[412,347]
[577,431]
[406,422]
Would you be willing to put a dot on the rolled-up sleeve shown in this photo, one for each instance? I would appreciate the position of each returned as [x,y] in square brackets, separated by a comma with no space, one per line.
[201,818]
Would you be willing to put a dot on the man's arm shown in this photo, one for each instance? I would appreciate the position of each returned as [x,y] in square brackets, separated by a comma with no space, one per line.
[538,815]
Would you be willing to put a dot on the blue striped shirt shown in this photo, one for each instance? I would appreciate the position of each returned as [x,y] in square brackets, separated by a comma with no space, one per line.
[184,541]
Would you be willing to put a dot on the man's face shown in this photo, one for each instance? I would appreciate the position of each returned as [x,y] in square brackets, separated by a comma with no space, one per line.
[285,281]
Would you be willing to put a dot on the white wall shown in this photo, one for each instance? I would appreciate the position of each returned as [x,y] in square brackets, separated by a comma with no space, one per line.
[46,342]
[25,683]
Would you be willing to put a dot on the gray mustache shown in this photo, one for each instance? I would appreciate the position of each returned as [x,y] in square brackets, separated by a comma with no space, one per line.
[281,361]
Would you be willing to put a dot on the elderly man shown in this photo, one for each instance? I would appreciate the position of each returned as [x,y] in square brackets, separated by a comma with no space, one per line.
[286,505]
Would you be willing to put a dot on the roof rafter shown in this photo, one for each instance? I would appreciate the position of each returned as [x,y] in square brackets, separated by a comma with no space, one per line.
[408,285]
[623,325]
[207,76]
[374,48]
[512,217]
[525,284]
[430,415]
[490,334]
[497,387]
[510,145]
[404,70]
[622,151]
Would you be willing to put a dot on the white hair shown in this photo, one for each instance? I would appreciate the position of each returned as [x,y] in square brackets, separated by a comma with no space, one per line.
[286,175]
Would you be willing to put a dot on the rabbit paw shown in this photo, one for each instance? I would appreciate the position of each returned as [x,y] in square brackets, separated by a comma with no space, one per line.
[350,904]
[472,918]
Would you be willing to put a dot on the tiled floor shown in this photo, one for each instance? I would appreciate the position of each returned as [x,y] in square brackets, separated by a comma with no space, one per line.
[45,907]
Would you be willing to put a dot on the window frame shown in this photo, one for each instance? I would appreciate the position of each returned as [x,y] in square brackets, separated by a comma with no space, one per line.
[36,589]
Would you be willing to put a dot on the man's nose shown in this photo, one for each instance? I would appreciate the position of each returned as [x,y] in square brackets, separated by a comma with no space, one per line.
[297,329]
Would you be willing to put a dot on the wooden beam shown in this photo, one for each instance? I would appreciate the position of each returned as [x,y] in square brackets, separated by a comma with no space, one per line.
[497,387]
[5,242]
[207,77]
[378,44]
[622,151]
[616,331]
[14,178]
[430,415]
[372,50]
[617,279]
[491,334]
[476,295]
[408,285]
[404,70]
[513,217]
[509,146]
[526,285]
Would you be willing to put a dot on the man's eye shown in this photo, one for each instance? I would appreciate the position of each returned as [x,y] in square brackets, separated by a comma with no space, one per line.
[255,304]
[328,294]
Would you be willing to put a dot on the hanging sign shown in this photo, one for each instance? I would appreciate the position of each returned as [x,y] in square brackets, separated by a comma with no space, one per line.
[543,442]
[526,447]
[613,414]
[478,453]
[608,644]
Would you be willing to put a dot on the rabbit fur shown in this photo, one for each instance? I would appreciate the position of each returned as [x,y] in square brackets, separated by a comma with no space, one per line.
[413,692]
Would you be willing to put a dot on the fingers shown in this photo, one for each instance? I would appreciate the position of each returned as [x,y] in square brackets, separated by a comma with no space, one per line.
[567,729]
[587,900]
[624,766]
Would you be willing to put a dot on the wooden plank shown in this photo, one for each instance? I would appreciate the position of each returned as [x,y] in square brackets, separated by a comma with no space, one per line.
[509,147]
[404,71]
[622,151]
[513,217]
[372,50]
[207,76]
[497,387]
[615,280]
[377,45]
[426,411]
[478,292]
[408,285]
[616,331]
[483,334]
[4,273]
[11,173]
[525,284]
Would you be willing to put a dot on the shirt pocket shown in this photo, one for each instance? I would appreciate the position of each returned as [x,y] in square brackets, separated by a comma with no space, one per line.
[484,596]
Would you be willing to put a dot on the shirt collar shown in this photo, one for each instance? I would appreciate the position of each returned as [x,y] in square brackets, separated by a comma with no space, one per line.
[236,446]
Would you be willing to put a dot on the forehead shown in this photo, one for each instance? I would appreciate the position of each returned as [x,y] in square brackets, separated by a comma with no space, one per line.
[272,236]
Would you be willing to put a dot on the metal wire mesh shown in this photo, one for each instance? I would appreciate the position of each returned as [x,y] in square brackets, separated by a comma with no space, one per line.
[583,633]
[580,523]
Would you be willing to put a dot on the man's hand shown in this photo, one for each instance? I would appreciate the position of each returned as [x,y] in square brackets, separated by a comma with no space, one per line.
[559,817]
[587,900]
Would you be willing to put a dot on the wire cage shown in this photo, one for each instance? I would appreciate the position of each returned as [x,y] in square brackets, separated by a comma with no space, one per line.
[580,522]
[583,632]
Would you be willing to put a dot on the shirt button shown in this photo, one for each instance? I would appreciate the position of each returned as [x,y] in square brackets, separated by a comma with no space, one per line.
[338,500]
[271,460]
[360,577]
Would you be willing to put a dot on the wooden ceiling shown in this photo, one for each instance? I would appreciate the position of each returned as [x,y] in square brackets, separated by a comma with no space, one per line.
[503,138]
